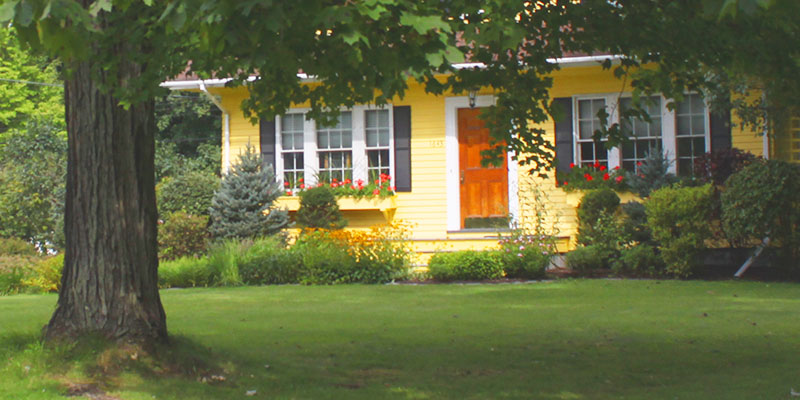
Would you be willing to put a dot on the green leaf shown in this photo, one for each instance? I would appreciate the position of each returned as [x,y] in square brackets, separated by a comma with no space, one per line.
[7,10]
[46,12]
[99,5]
[24,13]
[354,37]
[424,24]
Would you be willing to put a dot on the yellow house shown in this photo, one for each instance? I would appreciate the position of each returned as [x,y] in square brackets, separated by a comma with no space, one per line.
[430,146]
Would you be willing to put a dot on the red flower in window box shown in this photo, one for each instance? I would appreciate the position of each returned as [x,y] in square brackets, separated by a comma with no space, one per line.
[588,176]
[602,168]
[376,192]
[302,185]
[285,184]
[618,179]
[347,181]
[606,176]
[572,165]
[596,164]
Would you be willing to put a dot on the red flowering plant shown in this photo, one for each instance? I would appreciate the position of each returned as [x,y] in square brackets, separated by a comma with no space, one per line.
[359,189]
[592,176]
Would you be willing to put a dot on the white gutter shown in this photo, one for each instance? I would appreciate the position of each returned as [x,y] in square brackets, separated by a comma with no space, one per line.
[226,128]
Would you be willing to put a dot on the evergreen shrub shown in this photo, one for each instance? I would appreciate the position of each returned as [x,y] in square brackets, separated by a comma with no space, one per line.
[467,265]
[242,207]
[652,174]
[319,209]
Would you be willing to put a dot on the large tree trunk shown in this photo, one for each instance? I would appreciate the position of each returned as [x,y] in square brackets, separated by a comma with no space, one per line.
[110,278]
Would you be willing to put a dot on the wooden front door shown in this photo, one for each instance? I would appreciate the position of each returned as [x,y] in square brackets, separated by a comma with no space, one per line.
[484,190]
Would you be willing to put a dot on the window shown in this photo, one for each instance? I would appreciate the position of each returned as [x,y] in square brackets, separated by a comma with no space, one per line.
[377,132]
[645,137]
[590,151]
[335,144]
[682,135]
[360,146]
[690,132]
[292,149]
[794,129]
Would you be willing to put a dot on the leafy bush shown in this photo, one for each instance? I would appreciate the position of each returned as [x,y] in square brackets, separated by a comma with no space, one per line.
[467,265]
[652,174]
[242,207]
[642,259]
[633,222]
[717,166]
[762,200]
[182,235]
[16,247]
[596,218]
[590,177]
[587,259]
[525,256]
[324,258]
[319,209]
[678,220]
[12,280]
[185,272]
[190,192]
[268,261]
[46,274]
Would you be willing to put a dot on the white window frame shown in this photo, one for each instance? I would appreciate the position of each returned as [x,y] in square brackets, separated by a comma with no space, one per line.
[668,138]
[311,152]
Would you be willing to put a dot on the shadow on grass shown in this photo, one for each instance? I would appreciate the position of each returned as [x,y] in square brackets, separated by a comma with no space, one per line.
[97,368]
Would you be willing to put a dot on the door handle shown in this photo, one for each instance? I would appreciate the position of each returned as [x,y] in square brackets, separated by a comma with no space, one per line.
[462,176]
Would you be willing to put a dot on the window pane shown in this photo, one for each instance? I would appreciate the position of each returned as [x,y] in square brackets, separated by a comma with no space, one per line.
[298,141]
[684,147]
[699,145]
[335,140]
[628,149]
[684,107]
[286,141]
[586,130]
[698,107]
[347,139]
[288,161]
[372,138]
[322,140]
[383,137]
[698,124]
[683,127]
[585,109]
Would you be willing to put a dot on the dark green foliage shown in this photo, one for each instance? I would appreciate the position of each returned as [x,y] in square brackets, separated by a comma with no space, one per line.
[467,265]
[11,281]
[678,220]
[761,200]
[189,121]
[267,261]
[588,259]
[206,158]
[596,218]
[190,192]
[642,259]
[16,247]
[182,235]
[319,209]
[242,207]
[717,166]
[633,220]
[32,179]
[653,174]
[184,272]
[525,256]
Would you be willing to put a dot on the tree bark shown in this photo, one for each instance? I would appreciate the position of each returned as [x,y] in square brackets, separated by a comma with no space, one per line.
[109,285]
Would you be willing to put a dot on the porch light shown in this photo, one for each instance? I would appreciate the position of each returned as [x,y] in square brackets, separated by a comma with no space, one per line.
[473,94]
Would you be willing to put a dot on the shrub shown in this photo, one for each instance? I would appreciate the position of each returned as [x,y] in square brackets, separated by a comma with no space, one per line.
[642,259]
[242,207]
[652,174]
[182,235]
[717,166]
[190,192]
[185,272]
[318,209]
[223,262]
[16,247]
[588,259]
[525,256]
[268,261]
[46,274]
[591,177]
[12,280]
[467,265]
[596,219]
[678,220]
[633,222]
[762,200]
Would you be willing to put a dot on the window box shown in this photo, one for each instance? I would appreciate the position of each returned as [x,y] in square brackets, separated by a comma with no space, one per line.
[574,198]
[387,206]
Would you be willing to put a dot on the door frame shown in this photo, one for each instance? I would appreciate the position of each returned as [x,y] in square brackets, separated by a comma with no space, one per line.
[451,106]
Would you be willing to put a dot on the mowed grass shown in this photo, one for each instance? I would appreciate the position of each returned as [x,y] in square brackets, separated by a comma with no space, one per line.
[570,339]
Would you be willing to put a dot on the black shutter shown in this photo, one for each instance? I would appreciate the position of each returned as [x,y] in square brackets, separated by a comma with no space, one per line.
[267,139]
[721,130]
[564,149]
[402,148]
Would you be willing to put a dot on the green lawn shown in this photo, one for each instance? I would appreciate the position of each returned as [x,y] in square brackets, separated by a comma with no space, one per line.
[570,339]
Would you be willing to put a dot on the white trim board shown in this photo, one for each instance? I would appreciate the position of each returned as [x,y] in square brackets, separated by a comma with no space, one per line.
[451,106]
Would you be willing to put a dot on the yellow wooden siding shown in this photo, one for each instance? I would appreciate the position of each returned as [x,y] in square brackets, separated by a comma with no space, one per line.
[426,206]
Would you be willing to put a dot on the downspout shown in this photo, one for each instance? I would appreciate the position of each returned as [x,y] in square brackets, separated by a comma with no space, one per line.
[226,129]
